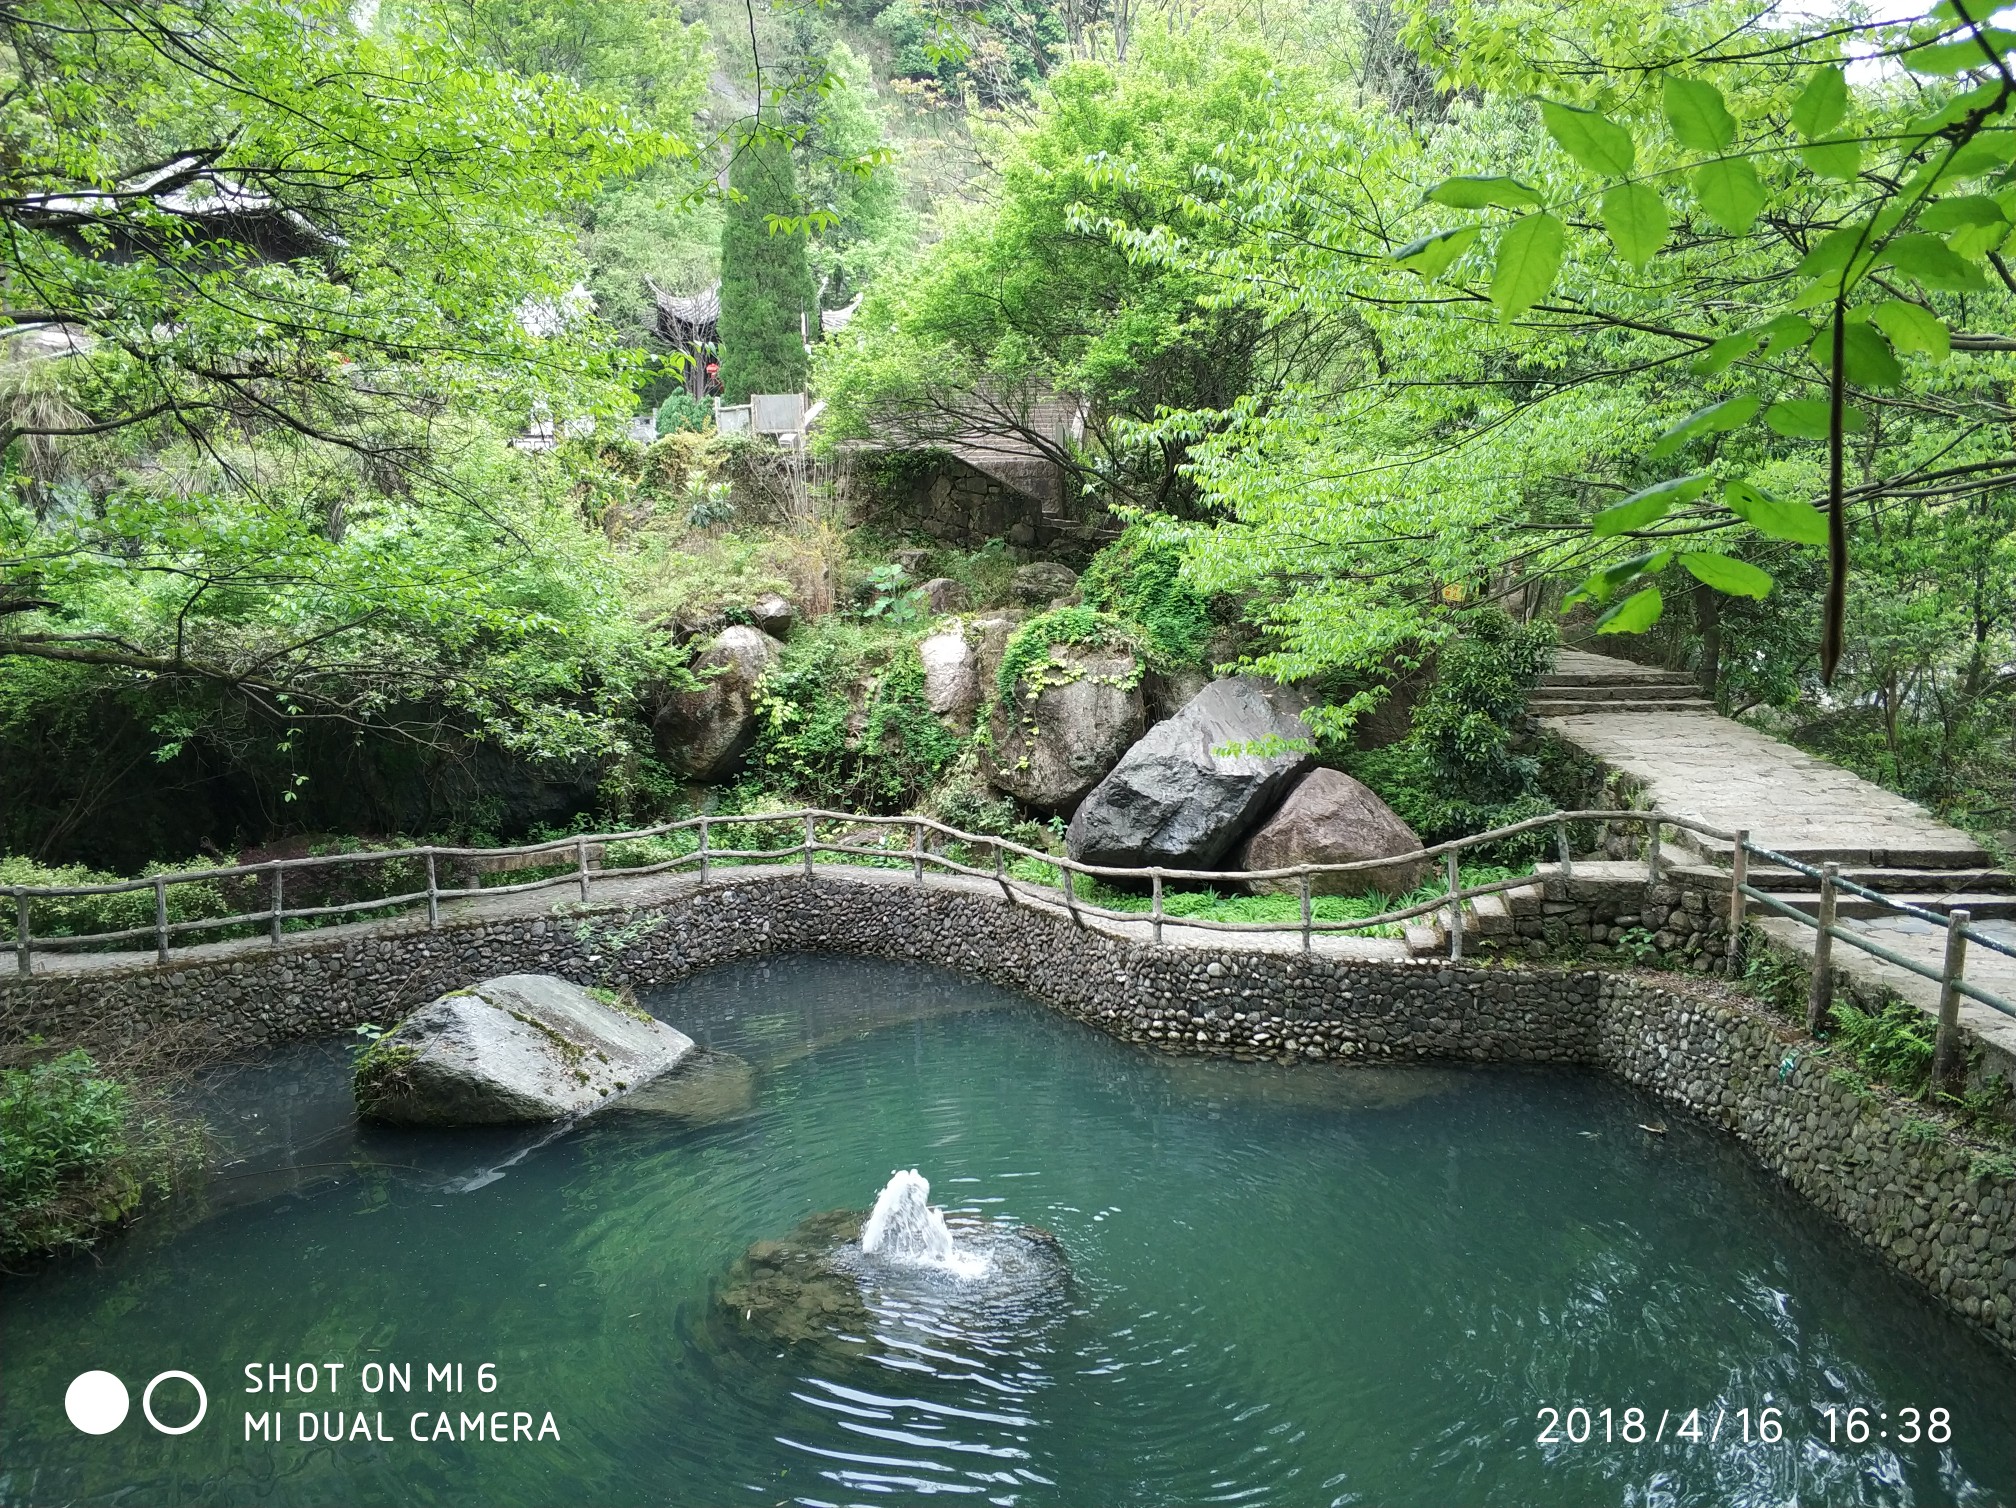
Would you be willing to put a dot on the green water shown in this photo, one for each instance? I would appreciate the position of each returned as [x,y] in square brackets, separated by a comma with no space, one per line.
[1317,1285]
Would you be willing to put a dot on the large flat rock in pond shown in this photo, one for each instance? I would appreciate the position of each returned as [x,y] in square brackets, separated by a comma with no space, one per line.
[520,1047]
[1185,793]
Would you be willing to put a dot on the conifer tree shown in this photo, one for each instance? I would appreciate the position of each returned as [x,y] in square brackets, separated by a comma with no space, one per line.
[766,281]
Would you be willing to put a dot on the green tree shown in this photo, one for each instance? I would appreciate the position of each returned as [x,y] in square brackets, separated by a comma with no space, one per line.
[278,289]
[1033,295]
[767,293]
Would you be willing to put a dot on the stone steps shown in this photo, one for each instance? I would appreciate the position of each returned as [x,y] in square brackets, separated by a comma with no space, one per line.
[1892,881]
[1553,706]
[1979,906]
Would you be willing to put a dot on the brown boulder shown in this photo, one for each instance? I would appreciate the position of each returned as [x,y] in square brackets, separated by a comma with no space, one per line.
[1329,818]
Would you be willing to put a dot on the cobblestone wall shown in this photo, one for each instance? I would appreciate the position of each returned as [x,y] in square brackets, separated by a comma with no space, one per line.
[1916,1195]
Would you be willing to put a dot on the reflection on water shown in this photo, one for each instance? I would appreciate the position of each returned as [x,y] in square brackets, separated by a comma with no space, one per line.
[1308,1285]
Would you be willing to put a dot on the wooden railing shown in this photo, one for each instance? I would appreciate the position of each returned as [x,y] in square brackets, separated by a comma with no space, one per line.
[584,860]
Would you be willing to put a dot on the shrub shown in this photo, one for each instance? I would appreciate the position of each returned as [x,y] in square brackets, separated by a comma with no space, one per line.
[82,915]
[1030,645]
[76,1154]
[1140,578]
[1458,770]
[845,723]
[681,411]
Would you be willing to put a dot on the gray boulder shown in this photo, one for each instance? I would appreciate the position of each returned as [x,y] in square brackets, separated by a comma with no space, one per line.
[521,1047]
[1059,734]
[1174,800]
[951,677]
[706,733]
[941,595]
[1042,582]
[1331,819]
[774,615]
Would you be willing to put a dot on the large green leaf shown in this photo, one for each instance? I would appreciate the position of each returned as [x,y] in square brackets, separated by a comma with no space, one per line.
[1695,111]
[1913,328]
[1784,333]
[1934,265]
[1602,584]
[1634,614]
[1730,193]
[1648,505]
[1807,419]
[1482,191]
[1529,256]
[1959,210]
[1866,357]
[1822,104]
[1725,353]
[1590,137]
[1731,413]
[1433,254]
[1801,523]
[1635,216]
[1736,577]
[1984,49]
[1839,158]
[1987,152]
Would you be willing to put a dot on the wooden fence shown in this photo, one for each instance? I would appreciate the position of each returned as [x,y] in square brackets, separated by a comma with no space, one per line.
[584,860]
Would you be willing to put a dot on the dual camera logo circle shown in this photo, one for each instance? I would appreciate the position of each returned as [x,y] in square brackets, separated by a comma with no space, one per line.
[97,1403]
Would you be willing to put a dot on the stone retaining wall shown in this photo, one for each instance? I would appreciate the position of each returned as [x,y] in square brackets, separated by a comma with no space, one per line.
[1903,1187]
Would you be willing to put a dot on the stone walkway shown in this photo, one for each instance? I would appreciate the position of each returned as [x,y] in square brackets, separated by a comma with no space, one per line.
[650,889]
[1702,765]
[1695,763]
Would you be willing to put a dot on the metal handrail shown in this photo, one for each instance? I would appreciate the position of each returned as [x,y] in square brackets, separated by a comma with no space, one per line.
[918,854]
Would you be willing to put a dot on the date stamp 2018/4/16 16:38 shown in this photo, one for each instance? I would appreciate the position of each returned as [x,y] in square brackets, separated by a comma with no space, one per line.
[1835,1425]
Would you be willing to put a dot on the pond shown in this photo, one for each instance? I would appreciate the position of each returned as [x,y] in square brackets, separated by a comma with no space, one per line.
[1297,1285]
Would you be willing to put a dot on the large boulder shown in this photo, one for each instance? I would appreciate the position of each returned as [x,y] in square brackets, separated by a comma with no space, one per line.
[773,615]
[1175,800]
[941,595]
[951,677]
[1069,721]
[705,734]
[1042,582]
[521,1047]
[1331,819]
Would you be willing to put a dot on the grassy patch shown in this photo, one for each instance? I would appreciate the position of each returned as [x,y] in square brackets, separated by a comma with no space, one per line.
[79,1151]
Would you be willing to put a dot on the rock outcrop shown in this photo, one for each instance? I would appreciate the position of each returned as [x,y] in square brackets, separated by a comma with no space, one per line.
[1069,721]
[706,733]
[1042,582]
[951,677]
[941,595]
[520,1047]
[773,615]
[1331,819]
[1175,799]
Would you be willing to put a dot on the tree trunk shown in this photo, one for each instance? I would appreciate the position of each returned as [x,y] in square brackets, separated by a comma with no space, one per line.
[1708,623]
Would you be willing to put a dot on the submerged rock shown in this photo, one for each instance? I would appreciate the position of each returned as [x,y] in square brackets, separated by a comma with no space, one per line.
[1331,819]
[816,1289]
[792,1292]
[704,1089]
[1175,799]
[520,1047]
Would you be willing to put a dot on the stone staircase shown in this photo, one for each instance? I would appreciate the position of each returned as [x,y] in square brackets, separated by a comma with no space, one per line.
[1582,684]
[1492,921]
